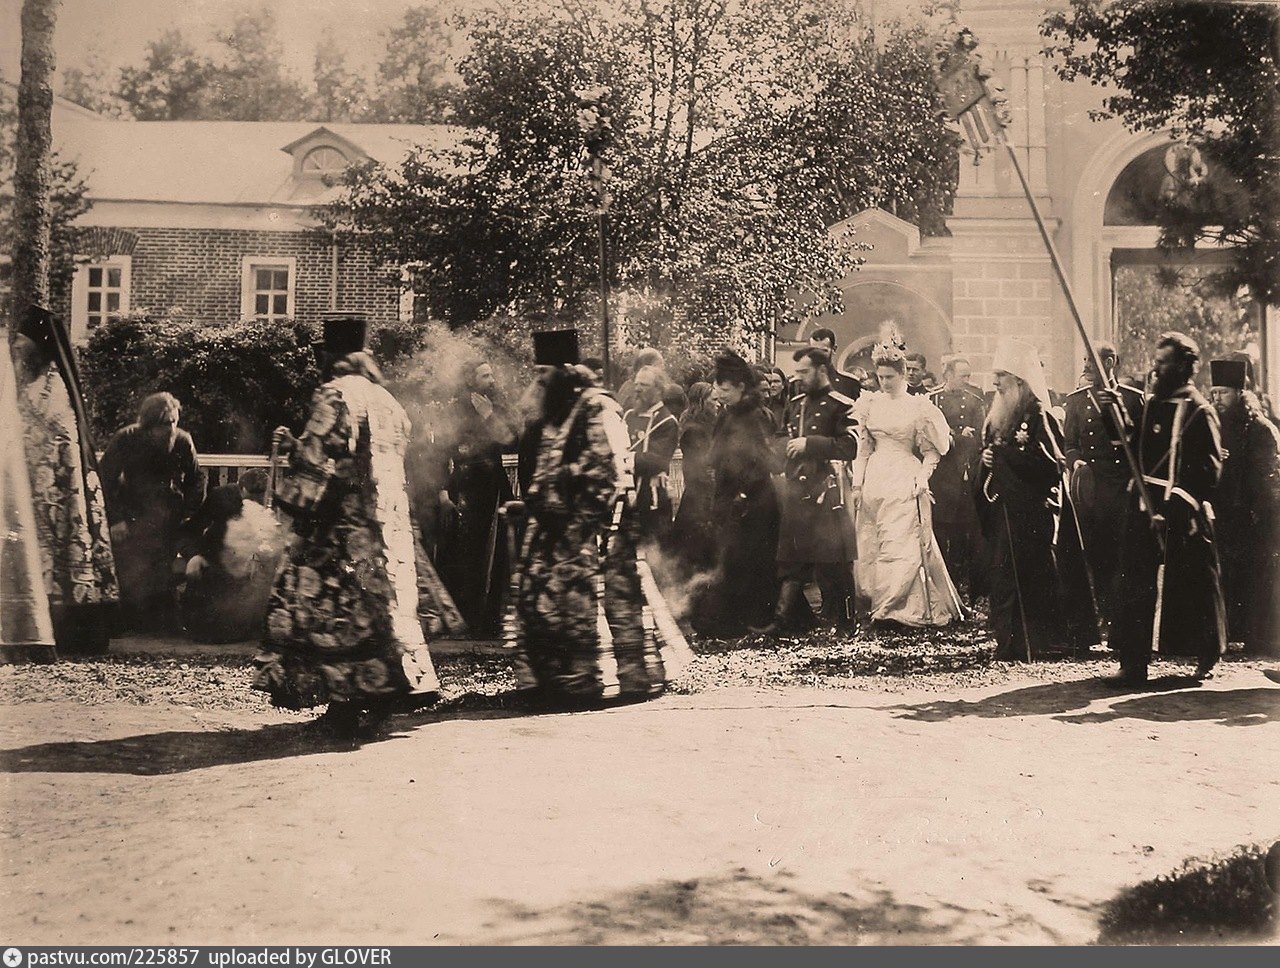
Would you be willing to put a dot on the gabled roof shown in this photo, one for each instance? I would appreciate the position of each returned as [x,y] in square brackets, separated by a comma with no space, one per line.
[223,162]
[63,108]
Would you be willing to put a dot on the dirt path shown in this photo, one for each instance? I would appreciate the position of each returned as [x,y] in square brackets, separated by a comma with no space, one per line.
[1004,814]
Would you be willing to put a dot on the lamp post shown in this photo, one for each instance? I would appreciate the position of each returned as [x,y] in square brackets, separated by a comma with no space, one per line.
[597,130]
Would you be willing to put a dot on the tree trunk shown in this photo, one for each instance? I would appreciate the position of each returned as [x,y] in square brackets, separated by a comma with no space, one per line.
[33,175]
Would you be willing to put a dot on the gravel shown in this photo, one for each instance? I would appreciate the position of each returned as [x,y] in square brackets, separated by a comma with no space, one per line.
[930,660]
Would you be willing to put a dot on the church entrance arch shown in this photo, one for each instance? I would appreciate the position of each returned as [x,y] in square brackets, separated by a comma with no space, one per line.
[1141,290]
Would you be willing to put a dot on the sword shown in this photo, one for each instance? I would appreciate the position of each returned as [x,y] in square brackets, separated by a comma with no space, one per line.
[1159,619]
[491,552]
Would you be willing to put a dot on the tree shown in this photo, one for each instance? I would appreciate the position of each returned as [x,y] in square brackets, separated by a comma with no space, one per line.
[340,94]
[718,212]
[171,84]
[67,202]
[247,82]
[413,80]
[241,79]
[93,86]
[33,174]
[1208,71]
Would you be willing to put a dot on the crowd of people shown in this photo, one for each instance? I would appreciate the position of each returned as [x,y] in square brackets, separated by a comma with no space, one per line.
[1136,509]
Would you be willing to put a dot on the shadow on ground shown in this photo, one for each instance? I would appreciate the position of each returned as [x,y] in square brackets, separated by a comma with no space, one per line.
[738,909]
[1166,699]
[179,751]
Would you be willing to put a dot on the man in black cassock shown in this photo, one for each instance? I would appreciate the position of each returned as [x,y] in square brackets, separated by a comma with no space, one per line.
[1169,592]
[1019,495]
[479,486]
[1248,506]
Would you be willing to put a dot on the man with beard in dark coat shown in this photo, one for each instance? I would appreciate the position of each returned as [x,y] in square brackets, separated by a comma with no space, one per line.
[1169,590]
[1097,468]
[479,486]
[816,539]
[1247,503]
[955,520]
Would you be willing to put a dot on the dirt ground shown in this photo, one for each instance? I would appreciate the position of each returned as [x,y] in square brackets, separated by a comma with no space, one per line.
[885,811]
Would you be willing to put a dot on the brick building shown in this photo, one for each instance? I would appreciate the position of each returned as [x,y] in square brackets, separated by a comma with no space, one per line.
[1096,184]
[214,218]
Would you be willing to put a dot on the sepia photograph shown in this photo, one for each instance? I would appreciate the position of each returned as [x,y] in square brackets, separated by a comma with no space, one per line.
[637,473]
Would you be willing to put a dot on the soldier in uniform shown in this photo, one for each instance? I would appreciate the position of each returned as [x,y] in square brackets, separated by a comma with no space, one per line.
[1097,470]
[917,366]
[654,432]
[816,535]
[825,339]
[1248,506]
[955,518]
[1169,580]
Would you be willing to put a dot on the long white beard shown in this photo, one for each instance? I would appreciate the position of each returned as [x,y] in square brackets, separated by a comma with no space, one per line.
[1005,409]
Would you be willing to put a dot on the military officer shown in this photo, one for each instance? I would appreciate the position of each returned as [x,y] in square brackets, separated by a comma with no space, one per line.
[1097,469]
[816,534]
[955,518]
[917,366]
[825,339]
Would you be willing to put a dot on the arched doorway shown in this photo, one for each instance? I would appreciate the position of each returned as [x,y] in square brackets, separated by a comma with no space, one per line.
[1138,290]
[1154,291]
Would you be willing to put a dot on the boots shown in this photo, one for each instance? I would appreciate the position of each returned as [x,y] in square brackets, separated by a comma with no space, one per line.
[789,596]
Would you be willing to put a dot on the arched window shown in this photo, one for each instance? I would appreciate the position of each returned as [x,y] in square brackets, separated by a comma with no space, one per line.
[324,160]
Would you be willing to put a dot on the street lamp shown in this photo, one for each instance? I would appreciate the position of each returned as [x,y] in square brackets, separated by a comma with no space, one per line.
[596,123]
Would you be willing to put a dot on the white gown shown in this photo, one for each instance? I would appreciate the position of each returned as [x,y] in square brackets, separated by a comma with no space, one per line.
[899,565]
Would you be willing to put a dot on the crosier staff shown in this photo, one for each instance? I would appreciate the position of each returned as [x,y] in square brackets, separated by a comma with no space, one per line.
[984,119]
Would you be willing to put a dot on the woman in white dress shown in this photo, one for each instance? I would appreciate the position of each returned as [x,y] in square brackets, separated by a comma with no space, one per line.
[901,438]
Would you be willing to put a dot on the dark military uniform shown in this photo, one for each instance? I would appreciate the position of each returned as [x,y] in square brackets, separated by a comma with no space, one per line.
[816,533]
[1180,606]
[841,382]
[955,519]
[654,434]
[1098,476]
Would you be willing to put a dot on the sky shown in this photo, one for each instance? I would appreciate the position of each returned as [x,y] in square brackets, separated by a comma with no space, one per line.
[118,30]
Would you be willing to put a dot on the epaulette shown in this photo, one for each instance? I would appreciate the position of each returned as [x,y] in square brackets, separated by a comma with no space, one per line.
[935,391]
[1125,386]
[795,398]
[841,398]
[1072,393]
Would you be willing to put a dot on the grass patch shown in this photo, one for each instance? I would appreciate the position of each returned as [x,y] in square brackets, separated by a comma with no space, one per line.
[1223,899]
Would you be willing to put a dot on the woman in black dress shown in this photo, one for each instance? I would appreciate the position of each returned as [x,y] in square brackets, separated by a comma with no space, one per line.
[744,503]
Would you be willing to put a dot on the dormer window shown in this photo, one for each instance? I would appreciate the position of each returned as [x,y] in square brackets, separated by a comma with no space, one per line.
[321,156]
[324,160]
